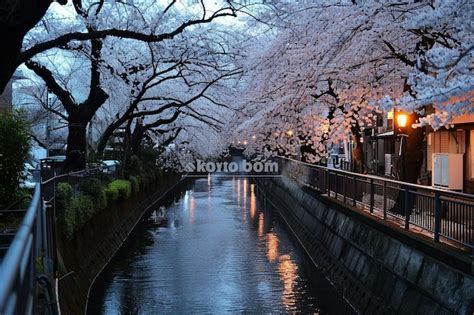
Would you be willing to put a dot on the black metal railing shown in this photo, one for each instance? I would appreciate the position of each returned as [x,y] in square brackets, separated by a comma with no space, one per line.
[31,247]
[30,257]
[75,179]
[436,212]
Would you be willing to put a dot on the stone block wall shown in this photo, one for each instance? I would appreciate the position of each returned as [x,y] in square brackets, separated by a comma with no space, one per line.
[377,269]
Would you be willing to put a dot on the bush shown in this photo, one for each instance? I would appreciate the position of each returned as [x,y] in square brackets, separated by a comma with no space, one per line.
[135,181]
[14,148]
[93,187]
[111,193]
[119,188]
[77,212]
[63,196]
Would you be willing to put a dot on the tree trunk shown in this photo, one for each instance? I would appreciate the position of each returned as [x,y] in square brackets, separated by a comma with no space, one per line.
[76,147]
[136,139]
[357,154]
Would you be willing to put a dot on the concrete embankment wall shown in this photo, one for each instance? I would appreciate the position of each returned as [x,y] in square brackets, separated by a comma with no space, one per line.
[82,258]
[378,268]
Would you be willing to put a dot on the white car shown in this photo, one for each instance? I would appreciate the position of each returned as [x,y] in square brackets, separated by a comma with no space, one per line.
[109,166]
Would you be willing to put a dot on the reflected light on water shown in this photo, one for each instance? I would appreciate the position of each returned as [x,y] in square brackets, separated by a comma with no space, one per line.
[238,192]
[288,272]
[192,207]
[253,202]
[261,222]
[272,247]
[244,185]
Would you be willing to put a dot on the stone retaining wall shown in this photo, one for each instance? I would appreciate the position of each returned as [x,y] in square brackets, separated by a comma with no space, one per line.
[378,269]
[82,258]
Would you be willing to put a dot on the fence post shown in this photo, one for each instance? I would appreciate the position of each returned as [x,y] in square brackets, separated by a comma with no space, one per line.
[335,180]
[354,183]
[344,187]
[407,213]
[437,214]
[328,188]
[372,197]
[384,200]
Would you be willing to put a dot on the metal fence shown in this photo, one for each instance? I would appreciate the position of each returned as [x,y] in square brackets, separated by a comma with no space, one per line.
[434,212]
[30,258]
[75,179]
[30,247]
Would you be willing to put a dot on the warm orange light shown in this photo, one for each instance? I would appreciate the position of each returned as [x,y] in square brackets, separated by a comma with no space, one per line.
[402,120]
[254,137]
[289,133]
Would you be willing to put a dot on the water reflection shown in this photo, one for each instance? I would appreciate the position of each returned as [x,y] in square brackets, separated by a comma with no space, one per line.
[235,258]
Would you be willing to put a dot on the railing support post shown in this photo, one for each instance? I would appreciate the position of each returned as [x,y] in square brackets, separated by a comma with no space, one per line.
[407,213]
[372,197]
[384,200]
[437,214]
[354,187]
[344,188]
[328,188]
[335,180]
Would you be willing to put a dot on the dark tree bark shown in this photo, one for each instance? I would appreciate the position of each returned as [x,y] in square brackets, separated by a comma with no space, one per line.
[17,17]
[76,146]
[357,153]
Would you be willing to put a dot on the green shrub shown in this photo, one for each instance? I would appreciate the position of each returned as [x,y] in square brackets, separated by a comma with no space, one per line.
[14,148]
[111,193]
[122,187]
[135,181]
[63,196]
[93,187]
[77,212]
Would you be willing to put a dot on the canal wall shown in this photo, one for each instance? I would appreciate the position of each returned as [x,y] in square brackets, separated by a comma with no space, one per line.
[378,268]
[83,257]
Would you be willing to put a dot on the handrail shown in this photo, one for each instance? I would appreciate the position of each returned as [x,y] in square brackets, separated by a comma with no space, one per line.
[70,174]
[12,268]
[440,212]
[388,180]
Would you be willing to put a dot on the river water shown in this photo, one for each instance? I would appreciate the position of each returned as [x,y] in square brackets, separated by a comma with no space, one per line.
[219,252]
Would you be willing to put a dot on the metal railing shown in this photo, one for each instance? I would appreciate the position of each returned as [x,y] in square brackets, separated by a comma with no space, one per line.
[30,247]
[435,212]
[75,179]
[31,256]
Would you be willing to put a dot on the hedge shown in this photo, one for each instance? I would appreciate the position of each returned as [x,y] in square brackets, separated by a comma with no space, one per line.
[119,188]
[95,189]
[77,212]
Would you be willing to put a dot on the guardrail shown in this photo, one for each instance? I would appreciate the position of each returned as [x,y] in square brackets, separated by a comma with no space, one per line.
[75,179]
[438,213]
[31,245]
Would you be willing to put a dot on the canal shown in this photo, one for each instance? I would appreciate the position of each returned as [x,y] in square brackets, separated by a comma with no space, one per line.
[218,252]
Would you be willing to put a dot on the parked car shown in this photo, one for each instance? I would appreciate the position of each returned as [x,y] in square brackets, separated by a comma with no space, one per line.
[31,175]
[110,166]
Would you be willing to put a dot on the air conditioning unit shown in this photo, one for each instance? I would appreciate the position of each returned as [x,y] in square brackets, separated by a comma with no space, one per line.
[447,171]
[388,164]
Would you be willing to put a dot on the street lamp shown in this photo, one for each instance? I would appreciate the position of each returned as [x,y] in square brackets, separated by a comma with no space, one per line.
[402,121]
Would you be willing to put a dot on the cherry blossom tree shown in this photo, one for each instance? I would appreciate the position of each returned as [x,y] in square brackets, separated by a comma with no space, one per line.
[335,66]
[90,33]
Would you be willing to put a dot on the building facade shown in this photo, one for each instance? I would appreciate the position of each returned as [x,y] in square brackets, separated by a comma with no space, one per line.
[448,153]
